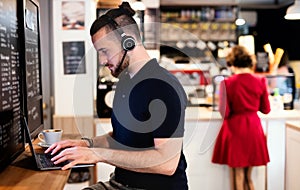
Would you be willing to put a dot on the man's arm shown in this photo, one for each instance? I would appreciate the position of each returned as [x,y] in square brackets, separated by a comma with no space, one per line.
[99,141]
[162,159]
[102,141]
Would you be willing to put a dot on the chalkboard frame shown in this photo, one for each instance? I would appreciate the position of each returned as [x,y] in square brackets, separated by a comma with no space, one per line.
[15,150]
[37,99]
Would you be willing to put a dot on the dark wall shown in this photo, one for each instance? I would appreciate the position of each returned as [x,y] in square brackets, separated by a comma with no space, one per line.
[272,28]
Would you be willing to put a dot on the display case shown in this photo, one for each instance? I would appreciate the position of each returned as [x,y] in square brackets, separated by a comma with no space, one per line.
[283,84]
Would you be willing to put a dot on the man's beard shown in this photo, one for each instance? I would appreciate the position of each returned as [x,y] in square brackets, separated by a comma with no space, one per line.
[121,68]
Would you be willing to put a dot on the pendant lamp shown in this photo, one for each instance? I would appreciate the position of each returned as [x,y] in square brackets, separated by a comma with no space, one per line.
[240,21]
[138,5]
[293,12]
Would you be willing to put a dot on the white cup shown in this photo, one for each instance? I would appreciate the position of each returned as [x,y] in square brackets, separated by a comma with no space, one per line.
[50,136]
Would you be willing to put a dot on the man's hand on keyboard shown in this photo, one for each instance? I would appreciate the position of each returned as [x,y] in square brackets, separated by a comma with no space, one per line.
[76,155]
[74,151]
[56,147]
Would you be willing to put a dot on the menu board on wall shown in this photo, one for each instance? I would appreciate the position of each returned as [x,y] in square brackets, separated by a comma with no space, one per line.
[33,87]
[11,133]
[74,61]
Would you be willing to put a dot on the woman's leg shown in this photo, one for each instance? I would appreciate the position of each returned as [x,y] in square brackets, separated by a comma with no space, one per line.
[249,182]
[232,178]
[239,178]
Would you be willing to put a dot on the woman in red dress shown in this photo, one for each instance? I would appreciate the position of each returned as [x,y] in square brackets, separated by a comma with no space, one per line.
[241,143]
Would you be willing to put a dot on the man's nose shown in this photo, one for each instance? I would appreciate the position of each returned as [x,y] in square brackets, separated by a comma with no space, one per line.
[102,60]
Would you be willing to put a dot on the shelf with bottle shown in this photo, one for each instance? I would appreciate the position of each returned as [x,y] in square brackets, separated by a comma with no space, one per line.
[196,33]
[198,14]
[206,31]
[206,23]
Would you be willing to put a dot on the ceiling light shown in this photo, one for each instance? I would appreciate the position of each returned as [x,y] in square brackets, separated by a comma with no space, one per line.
[240,21]
[293,12]
[138,5]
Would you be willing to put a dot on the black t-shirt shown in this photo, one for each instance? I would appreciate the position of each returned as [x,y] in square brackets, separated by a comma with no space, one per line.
[150,105]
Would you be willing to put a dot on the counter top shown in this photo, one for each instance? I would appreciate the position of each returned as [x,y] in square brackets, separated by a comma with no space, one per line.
[22,175]
[202,113]
[294,124]
[207,114]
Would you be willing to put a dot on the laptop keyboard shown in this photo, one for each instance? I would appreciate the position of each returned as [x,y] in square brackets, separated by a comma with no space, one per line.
[46,162]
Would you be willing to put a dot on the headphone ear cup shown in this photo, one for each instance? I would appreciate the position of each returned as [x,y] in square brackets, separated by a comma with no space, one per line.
[128,43]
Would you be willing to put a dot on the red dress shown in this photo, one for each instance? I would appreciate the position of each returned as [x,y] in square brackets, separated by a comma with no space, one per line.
[241,141]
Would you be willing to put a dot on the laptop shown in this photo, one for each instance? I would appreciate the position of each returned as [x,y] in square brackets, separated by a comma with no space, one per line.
[43,160]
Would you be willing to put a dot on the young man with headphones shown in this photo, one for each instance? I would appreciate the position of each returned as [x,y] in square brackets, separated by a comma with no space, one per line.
[149,105]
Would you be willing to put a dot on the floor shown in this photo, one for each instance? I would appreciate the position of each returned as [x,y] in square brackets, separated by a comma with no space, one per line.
[76,186]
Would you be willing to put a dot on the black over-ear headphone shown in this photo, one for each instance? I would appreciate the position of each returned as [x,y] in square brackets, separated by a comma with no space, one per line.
[127,42]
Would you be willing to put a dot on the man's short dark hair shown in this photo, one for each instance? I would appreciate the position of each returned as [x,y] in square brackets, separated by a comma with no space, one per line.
[123,16]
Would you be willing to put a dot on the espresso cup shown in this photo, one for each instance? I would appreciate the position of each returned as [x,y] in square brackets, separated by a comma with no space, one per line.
[50,136]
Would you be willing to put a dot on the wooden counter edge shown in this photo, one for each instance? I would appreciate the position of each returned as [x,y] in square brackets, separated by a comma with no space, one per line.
[293,125]
[30,178]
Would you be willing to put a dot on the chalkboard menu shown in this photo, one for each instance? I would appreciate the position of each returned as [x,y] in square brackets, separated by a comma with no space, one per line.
[20,76]
[11,133]
[74,61]
[33,87]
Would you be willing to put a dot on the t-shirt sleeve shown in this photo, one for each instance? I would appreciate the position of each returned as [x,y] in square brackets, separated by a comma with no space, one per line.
[173,125]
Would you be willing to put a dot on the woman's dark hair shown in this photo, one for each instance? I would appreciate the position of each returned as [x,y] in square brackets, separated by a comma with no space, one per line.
[240,57]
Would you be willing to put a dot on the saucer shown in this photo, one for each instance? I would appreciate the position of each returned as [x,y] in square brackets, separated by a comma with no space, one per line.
[41,144]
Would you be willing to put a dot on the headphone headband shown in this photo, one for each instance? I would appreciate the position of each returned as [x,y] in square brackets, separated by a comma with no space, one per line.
[127,42]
